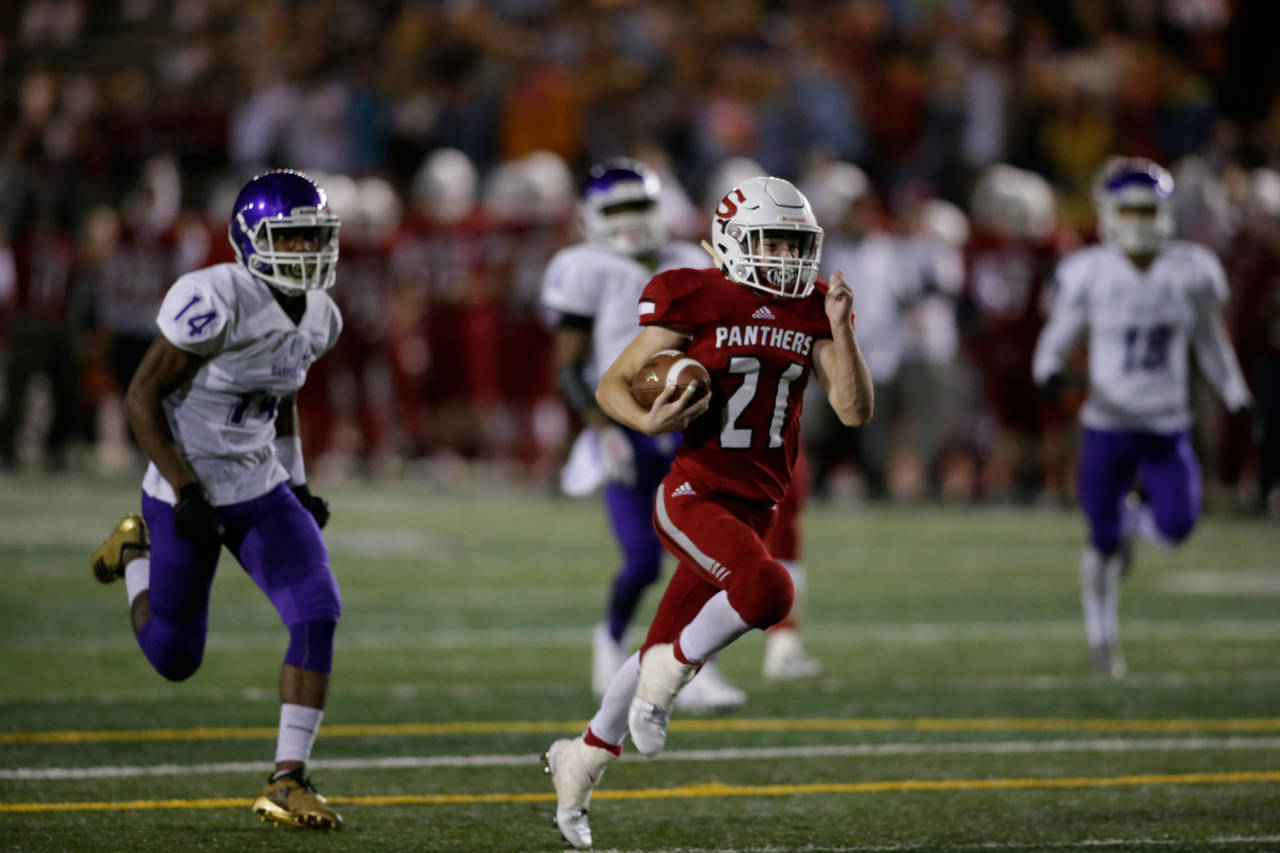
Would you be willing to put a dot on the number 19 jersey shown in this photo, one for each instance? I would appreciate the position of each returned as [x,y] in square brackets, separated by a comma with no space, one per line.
[758,349]
[223,420]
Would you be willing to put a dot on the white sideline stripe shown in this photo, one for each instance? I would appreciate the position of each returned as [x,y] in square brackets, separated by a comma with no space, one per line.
[933,846]
[1024,747]
[907,633]
[410,691]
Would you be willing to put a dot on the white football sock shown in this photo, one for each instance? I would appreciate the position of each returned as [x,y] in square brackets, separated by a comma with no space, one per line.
[716,626]
[1100,596]
[298,728]
[1144,524]
[610,722]
[137,577]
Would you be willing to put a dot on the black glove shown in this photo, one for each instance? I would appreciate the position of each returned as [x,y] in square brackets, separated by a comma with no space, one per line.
[194,517]
[1051,390]
[314,504]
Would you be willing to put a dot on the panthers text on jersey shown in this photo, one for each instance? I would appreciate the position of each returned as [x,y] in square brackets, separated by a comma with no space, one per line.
[758,350]
[223,420]
[591,281]
[1141,325]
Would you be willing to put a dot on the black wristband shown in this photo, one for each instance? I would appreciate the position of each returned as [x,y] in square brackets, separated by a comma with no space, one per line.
[191,491]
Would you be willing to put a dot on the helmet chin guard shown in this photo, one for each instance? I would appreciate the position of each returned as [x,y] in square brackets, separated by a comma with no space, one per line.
[274,208]
[756,210]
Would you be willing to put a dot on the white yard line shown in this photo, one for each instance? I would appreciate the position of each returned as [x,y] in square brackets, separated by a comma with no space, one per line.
[932,847]
[903,633]
[1195,744]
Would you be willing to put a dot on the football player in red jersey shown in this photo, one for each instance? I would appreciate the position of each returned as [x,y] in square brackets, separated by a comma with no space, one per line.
[760,322]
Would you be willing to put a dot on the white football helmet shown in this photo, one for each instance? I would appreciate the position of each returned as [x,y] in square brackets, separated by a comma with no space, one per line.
[444,187]
[1014,203]
[1135,204]
[760,207]
[832,188]
[621,207]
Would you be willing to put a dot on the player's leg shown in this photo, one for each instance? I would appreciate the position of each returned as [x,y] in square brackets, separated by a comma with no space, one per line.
[576,765]
[630,510]
[784,654]
[280,546]
[167,580]
[1108,463]
[724,548]
[1170,476]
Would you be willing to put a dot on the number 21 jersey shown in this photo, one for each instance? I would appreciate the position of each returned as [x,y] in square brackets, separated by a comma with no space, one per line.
[223,420]
[758,349]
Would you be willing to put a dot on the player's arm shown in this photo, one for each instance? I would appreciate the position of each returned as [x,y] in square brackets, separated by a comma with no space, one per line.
[1217,358]
[838,363]
[671,411]
[288,446]
[572,347]
[164,367]
[1068,320]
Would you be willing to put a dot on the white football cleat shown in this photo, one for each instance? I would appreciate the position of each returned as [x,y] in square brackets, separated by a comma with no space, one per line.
[575,770]
[710,691]
[661,678]
[607,657]
[784,657]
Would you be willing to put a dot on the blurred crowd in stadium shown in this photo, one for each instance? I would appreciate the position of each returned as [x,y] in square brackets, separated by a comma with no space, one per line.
[451,137]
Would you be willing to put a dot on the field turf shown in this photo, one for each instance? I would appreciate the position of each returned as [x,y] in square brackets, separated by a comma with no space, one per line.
[955,710]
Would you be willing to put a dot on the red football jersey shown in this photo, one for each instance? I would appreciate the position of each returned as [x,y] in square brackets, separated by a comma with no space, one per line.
[758,349]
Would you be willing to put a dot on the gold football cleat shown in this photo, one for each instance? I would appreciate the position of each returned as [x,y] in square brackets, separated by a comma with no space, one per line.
[293,801]
[108,562]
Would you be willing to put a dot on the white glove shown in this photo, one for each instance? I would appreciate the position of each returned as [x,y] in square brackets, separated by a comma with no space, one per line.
[617,456]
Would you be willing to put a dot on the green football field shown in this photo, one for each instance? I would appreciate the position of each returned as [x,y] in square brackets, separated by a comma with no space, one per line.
[955,710]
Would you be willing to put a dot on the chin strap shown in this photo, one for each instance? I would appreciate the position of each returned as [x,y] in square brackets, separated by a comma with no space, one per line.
[715,256]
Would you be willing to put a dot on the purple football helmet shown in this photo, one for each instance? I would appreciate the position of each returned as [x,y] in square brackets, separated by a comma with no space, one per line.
[283,232]
[1135,204]
[620,207]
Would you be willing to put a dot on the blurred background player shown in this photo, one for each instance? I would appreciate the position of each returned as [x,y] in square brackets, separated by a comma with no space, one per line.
[1145,301]
[760,323]
[593,288]
[212,406]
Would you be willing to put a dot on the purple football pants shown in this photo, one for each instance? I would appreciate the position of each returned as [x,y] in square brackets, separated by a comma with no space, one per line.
[630,512]
[1167,467]
[276,541]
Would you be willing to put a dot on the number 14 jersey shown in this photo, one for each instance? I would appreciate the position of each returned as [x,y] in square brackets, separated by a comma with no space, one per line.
[223,420]
[758,350]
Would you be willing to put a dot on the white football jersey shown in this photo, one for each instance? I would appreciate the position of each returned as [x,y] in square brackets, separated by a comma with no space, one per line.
[591,281]
[1141,326]
[882,285]
[223,420]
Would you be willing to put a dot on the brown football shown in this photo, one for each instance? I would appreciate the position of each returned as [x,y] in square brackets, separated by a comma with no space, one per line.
[668,367]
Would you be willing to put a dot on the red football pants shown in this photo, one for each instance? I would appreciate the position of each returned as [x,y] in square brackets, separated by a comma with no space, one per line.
[719,543]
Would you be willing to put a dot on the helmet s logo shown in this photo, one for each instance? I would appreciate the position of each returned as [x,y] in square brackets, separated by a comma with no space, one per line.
[728,207]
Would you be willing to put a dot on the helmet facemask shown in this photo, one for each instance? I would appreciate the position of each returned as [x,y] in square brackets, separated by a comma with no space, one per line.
[789,269]
[276,263]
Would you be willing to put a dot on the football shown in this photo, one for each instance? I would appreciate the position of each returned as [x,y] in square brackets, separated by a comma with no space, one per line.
[668,367]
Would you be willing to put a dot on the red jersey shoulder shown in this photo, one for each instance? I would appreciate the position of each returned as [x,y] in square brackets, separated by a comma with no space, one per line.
[678,298]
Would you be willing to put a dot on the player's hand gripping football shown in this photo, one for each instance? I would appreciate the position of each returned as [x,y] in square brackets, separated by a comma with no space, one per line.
[839,301]
[314,504]
[674,410]
[194,517]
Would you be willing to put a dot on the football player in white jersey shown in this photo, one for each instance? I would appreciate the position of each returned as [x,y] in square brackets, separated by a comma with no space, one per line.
[1145,301]
[593,288]
[212,406]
